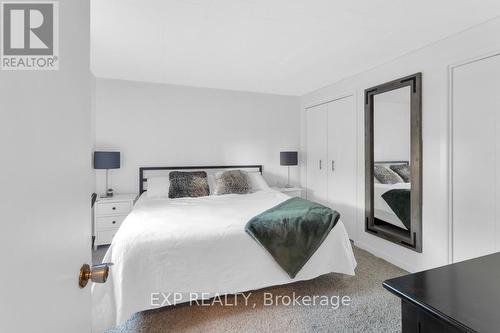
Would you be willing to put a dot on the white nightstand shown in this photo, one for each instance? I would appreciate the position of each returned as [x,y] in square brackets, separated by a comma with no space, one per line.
[291,191]
[109,214]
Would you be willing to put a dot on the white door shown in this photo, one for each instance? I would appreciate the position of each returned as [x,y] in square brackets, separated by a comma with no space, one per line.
[46,184]
[476,159]
[317,154]
[342,160]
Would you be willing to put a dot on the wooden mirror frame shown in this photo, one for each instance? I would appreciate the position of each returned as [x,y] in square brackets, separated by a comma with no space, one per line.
[411,239]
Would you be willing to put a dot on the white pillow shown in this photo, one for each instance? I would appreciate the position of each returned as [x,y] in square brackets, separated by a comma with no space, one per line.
[158,187]
[256,181]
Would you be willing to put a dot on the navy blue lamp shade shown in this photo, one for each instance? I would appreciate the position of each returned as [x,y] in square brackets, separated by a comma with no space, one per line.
[106,160]
[288,158]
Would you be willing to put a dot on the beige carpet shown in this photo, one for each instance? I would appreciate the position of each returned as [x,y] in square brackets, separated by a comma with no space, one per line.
[372,308]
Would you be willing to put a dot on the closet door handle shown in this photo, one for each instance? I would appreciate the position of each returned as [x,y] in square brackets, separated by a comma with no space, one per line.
[320,165]
[333,165]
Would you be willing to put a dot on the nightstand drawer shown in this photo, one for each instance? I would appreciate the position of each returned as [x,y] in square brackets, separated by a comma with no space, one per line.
[105,236]
[113,208]
[109,222]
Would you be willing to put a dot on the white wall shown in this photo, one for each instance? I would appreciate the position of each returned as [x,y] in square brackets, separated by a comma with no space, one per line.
[433,62]
[166,125]
[93,107]
[46,185]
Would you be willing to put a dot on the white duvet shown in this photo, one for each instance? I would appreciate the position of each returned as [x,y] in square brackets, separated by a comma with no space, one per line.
[199,245]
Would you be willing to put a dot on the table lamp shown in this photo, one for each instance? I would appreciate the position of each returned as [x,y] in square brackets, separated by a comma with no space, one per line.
[289,158]
[107,160]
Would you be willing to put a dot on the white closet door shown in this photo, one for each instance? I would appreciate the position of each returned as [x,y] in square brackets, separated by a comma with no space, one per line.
[476,159]
[317,153]
[342,160]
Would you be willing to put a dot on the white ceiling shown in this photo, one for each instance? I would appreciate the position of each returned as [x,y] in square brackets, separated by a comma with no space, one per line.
[286,47]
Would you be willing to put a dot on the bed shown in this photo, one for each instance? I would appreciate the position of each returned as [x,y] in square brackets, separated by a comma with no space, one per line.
[381,209]
[198,245]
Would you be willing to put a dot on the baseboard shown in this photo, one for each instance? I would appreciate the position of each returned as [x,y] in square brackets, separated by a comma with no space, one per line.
[385,256]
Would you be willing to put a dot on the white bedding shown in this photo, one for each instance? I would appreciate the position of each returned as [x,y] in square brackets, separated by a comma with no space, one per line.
[381,209]
[199,245]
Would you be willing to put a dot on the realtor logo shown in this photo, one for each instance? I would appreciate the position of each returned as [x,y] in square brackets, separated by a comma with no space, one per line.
[30,39]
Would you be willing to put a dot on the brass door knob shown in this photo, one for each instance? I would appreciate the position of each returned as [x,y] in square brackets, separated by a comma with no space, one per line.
[97,273]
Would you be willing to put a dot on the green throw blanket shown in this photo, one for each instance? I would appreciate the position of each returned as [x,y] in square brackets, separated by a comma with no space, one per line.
[399,201]
[292,231]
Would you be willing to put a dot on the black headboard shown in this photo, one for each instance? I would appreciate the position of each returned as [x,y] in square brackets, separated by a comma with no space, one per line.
[391,162]
[142,179]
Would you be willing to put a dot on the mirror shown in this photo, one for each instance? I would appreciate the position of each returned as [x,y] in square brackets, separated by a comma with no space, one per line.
[393,161]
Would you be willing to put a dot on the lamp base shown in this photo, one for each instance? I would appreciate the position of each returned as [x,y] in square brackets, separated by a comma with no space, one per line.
[288,179]
[109,191]
[108,194]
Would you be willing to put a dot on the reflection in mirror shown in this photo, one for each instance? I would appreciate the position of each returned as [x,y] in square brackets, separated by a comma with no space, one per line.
[393,161]
[391,153]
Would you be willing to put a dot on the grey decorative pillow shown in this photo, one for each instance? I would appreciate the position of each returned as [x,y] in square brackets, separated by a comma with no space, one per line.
[231,182]
[188,184]
[385,175]
[402,170]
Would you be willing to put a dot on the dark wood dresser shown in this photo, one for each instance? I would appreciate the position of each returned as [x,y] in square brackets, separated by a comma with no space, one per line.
[462,297]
